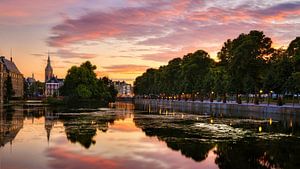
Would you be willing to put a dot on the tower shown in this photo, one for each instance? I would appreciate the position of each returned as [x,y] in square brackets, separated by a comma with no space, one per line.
[48,70]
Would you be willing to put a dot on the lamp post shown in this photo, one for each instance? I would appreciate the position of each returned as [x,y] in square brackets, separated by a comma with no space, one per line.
[270,93]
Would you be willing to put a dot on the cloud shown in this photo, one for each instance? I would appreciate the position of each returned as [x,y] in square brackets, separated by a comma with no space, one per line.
[63,53]
[125,69]
[125,23]
[16,12]
[177,25]
[168,55]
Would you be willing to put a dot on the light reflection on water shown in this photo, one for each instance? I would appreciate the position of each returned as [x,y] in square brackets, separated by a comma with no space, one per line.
[121,137]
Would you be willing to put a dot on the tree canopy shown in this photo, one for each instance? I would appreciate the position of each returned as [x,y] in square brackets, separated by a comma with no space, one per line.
[81,83]
[245,65]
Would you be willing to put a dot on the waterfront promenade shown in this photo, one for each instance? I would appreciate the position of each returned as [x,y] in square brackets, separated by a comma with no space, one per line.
[218,107]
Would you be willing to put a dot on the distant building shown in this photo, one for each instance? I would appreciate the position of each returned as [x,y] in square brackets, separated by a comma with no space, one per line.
[52,83]
[33,88]
[124,89]
[30,86]
[9,69]
[30,80]
[52,86]
[48,70]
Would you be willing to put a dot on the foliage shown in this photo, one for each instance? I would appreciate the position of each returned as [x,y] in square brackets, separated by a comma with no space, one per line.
[247,65]
[81,83]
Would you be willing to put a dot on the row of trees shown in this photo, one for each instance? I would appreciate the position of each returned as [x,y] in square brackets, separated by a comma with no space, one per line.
[82,84]
[248,65]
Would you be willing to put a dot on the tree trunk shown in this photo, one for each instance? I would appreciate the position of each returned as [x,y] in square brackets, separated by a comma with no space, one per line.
[293,99]
[256,99]
[224,98]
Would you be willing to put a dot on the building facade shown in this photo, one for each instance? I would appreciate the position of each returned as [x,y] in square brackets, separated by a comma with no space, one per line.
[52,83]
[9,69]
[124,89]
[52,86]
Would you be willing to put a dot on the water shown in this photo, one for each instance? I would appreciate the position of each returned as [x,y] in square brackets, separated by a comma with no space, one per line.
[38,137]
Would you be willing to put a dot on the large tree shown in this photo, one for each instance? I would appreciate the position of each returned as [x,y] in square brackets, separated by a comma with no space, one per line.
[195,66]
[82,83]
[245,60]
[294,51]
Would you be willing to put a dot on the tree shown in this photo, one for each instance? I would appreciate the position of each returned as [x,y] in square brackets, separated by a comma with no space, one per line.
[81,83]
[245,60]
[294,52]
[194,67]
[278,72]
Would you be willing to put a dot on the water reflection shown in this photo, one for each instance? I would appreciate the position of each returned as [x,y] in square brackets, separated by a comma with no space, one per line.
[124,137]
[11,122]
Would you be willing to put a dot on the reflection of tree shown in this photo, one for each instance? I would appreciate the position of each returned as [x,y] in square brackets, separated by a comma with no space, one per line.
[11,122]
[262,154]
[196,150]
[83,128]
[177,138]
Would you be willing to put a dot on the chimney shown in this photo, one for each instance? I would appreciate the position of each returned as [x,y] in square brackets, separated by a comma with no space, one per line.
[11,59]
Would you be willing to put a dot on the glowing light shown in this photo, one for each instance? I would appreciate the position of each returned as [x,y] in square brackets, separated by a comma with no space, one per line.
[270,121]
[197,118]
[260,129]
[261,91]
[182,116]
[211,120]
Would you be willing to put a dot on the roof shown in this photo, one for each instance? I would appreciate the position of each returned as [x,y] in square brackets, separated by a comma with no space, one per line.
[9,65]
[55,80]
[30,80]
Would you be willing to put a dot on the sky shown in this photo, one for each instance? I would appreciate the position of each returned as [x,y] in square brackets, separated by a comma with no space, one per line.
[125,37]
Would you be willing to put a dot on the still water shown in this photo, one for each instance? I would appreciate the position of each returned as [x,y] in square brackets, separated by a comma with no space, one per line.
[125,136]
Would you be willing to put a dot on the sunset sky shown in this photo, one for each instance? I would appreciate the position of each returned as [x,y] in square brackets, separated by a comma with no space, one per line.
[125,37]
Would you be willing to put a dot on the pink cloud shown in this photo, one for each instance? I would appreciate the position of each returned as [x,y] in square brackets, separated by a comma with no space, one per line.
[63,53]
[26,12]
[186,24]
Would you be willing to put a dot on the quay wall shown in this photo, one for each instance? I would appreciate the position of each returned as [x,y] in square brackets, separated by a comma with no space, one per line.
[217,108]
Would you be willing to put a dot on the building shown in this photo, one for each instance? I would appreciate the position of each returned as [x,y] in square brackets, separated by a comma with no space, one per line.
[9,69]
[48,70]
[34,88]
[52,86]
[52,83]
[124,89]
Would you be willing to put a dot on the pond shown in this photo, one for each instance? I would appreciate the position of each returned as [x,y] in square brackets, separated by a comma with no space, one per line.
[132,136]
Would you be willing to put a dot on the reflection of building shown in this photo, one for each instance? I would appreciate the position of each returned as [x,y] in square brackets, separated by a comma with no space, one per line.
[10,124]
[50,119]
[52,83]
[124,89]
[9,69]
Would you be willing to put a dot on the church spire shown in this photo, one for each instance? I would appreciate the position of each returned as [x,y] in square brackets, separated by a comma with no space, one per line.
[48,70]
[49,62]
